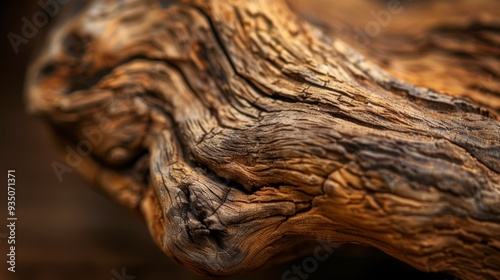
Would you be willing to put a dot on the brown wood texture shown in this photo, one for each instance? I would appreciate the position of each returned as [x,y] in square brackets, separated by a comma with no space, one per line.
[239,130]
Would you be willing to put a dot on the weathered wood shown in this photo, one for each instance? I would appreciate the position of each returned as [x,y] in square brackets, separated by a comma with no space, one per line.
[451,47]
[239,130]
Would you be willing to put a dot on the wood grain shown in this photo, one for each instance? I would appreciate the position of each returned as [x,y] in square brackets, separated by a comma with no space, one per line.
[238,130]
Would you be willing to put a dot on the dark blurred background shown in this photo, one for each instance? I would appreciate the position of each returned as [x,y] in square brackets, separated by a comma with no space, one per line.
[68,231]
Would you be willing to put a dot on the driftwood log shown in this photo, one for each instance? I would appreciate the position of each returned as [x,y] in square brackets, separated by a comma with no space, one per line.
[239,130]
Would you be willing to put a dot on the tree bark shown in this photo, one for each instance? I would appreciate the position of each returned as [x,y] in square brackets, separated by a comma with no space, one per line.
[238,131]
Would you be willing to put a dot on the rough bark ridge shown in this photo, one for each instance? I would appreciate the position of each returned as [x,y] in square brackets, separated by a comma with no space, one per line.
[451,47]
[238,130]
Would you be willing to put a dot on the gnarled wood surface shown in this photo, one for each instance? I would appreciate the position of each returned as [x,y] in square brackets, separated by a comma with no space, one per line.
[239,130]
